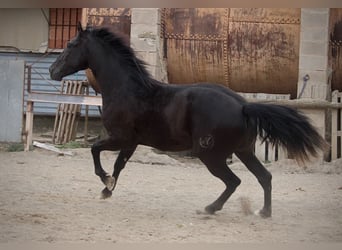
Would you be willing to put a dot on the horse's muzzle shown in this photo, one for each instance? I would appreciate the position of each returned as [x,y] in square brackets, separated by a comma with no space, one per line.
[53,74]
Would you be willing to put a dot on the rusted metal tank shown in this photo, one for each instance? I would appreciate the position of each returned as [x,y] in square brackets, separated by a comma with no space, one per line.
[335,48]
[248,50]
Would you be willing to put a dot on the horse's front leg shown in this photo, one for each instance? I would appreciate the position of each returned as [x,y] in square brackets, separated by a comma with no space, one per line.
[107,144]
[120,163]
[121,160]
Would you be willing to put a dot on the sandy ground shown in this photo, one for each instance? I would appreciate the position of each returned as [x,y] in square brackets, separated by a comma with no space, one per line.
[45,197]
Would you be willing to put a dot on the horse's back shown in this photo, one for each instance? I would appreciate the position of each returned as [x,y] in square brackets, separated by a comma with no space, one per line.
[207,111]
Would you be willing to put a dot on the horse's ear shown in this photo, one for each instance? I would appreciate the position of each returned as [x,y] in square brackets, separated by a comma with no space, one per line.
[79,27]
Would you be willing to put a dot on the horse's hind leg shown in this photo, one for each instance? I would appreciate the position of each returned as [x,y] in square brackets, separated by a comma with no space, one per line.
[264,177]
[218,167]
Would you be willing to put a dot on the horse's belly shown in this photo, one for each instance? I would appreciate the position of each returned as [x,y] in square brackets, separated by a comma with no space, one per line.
[168,143]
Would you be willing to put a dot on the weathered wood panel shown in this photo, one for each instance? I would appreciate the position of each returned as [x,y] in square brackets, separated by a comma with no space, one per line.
[249,50]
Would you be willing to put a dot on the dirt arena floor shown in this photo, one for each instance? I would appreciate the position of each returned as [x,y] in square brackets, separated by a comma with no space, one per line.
[46,197]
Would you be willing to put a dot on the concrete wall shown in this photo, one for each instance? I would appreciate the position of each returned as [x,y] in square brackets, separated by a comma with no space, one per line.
[11,100]
[25,29]
[313,55]
[146,41]
[313,61]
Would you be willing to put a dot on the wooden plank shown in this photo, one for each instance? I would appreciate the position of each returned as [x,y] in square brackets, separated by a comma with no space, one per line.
[266,152]
[97,101]
[86,119]
[77,112]
[64,98]
[301,103]
[57,119]
[68,115]
[29,125]
[52,148]
[68,110]
[75,89]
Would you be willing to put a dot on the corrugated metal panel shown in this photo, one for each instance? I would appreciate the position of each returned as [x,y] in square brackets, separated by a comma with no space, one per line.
[40,80]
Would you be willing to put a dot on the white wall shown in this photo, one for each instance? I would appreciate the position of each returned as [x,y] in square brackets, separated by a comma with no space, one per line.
[25,29]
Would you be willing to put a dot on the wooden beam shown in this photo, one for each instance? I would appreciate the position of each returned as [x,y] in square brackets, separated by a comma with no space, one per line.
[52,98]
[301,103]
[64,98]
[97,101]
[29,125]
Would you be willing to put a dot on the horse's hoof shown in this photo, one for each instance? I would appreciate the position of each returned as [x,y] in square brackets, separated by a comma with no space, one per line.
[210,209]
[263,213]
[110,182]
[106,193]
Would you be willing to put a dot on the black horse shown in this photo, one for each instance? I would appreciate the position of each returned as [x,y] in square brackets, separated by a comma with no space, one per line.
[210,120]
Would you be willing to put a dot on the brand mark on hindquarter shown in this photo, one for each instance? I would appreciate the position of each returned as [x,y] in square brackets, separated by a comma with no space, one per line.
[206,142]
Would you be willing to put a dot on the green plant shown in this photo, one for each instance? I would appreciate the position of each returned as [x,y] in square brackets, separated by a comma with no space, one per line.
[71,144]
[15,147]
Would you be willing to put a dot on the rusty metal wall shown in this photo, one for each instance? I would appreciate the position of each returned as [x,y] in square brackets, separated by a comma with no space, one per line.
[117,18]
[335,48]
[249,50]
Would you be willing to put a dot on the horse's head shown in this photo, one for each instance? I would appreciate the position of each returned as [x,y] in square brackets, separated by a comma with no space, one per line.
[73,58]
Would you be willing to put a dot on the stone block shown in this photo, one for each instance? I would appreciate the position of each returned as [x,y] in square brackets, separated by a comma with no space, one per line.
[150,16]
[315,75]
[151,69]
[145,37]
[317,119]
[315,10]
[143,30]
[314,19]
[314,34]
[313,62]
[313,90]
[314,48]
[161,74]
[143,45]
[150,57]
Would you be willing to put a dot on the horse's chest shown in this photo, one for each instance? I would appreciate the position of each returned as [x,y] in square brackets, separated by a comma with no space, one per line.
[118,119]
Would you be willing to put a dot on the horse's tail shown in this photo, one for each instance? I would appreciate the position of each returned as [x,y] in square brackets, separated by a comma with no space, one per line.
[287,127]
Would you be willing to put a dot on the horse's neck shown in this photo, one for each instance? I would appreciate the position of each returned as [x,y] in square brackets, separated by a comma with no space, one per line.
[114,78]
[108,73]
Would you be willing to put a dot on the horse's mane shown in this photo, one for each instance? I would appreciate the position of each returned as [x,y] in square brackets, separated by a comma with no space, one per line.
[120,44]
